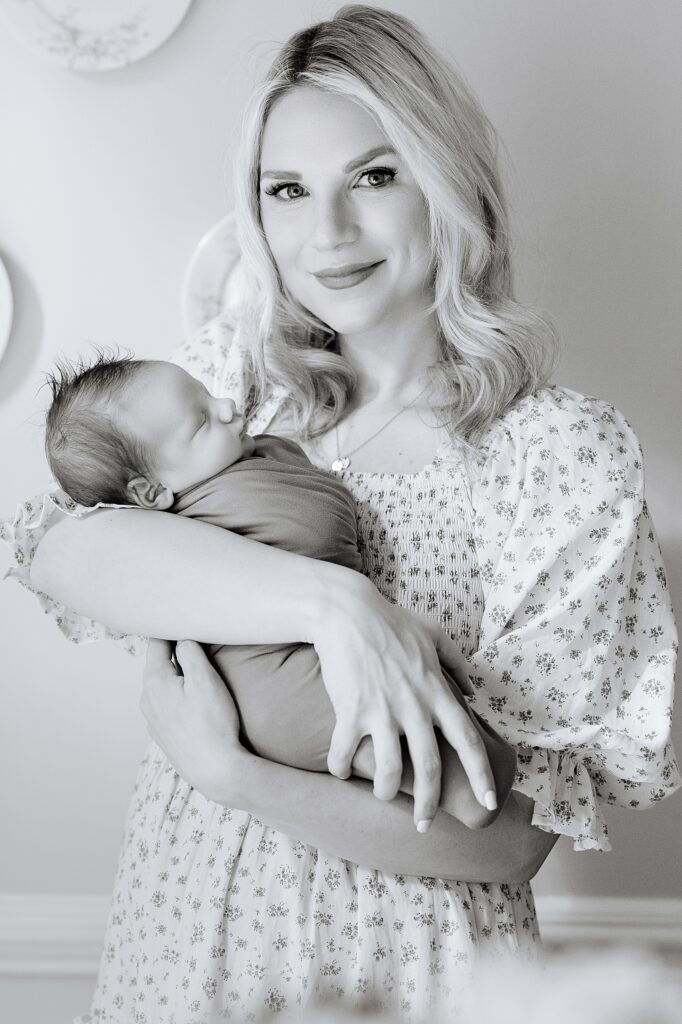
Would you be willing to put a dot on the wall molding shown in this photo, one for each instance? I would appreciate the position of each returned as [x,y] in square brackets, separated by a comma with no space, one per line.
[60,935]
[634,921]
[51,934]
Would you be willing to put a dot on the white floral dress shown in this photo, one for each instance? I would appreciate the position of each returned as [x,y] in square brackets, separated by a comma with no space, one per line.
[541,560]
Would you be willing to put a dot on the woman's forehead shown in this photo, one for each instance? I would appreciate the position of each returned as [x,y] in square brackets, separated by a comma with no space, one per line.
[308,123]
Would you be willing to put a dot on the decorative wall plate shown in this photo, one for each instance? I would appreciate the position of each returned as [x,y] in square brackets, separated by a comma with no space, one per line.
[6,308]
[214,278]
[94,35]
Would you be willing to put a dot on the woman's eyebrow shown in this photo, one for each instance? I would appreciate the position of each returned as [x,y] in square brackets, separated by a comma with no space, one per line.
[289,175]
[371,154]
[353,165]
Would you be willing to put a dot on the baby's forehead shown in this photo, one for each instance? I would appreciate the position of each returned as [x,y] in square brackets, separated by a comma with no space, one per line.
[166,380]
[159,390]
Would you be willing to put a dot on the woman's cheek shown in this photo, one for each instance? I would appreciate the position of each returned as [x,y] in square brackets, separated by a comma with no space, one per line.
[282,232]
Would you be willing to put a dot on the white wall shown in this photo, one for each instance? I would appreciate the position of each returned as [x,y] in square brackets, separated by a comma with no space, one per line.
[106,184]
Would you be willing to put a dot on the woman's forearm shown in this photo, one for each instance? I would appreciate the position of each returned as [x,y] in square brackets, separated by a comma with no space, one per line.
[158,574]
[345,819]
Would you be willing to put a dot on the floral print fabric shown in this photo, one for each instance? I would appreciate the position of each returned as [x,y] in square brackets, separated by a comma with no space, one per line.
[540,558]
[215,916]
[577,656]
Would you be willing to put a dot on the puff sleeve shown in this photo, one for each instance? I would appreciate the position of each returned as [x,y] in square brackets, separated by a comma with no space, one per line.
[578,644]
[218,357]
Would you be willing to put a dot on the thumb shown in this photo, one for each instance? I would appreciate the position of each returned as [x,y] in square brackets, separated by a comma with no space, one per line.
[452,659]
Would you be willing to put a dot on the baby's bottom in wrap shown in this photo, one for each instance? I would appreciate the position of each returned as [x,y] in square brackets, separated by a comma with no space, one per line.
[286,716]
[285,712]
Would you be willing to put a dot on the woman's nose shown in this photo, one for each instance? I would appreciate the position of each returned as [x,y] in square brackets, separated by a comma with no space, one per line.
[335,223]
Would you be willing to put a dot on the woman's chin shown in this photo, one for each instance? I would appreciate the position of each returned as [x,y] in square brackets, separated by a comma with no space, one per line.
[353,321]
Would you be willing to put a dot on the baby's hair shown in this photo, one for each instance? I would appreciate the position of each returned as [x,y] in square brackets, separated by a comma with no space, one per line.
[92,457]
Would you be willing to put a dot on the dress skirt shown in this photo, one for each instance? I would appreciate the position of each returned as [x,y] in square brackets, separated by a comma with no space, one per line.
[215,916]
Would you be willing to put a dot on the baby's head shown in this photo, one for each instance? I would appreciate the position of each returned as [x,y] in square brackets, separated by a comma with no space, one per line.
[132,431]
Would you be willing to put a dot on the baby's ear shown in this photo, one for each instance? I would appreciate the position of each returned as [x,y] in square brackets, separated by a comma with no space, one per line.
[148,495]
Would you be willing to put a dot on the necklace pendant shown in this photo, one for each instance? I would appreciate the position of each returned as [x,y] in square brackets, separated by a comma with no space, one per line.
[340,464]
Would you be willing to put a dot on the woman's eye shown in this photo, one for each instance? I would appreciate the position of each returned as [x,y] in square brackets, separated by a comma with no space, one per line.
[377,177]
[286,191]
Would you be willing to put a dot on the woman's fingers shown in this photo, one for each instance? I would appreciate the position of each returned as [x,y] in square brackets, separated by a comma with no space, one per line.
[388,759]
[159,657]
[206,687]
[159,679]
[196,668]
[426,762]
[385,679]
[344,742]
[192,717]
[459,729]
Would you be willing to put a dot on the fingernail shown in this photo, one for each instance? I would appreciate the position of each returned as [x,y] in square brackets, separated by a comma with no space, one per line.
[490,800]
[424,826]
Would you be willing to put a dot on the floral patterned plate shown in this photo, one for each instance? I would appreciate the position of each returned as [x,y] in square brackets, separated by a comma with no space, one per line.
[214,277]
[6,308]
[94,35]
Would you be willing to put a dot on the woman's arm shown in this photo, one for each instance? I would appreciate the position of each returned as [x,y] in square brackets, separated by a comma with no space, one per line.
[163,575]
[344,819]
[195,721]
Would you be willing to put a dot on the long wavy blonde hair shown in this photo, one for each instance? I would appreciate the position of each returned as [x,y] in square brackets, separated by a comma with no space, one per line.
[493,350]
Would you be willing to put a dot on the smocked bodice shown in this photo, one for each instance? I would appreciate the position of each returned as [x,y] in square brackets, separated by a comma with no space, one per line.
[416,541]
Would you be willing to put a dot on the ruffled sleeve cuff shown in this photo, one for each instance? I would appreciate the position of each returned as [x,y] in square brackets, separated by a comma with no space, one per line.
[561,787]
[23,534]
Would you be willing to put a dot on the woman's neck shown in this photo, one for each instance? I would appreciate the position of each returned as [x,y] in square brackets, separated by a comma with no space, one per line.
[390,366]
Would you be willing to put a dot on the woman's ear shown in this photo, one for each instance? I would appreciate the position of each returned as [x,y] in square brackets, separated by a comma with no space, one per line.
[144,493]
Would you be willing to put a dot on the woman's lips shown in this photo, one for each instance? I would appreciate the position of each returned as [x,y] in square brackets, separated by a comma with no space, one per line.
[346,276]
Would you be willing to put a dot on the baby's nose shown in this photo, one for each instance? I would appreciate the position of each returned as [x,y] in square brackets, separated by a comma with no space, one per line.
[227,410]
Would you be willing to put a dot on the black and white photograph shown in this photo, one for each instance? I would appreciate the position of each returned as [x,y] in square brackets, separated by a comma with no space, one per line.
[340,356]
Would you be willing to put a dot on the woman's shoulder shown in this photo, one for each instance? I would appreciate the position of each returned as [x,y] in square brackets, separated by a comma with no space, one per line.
[558,409]
[561,442]
[559,421]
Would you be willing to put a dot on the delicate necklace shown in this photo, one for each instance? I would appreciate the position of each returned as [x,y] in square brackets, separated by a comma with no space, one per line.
[342,462]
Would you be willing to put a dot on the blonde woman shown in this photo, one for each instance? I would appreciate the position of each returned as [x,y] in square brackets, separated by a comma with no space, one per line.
[381,332]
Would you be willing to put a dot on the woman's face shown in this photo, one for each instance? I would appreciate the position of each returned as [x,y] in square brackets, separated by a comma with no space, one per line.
[346,223]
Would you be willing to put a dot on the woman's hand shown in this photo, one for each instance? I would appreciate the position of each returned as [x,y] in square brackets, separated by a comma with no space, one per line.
[191,716]
[381,666]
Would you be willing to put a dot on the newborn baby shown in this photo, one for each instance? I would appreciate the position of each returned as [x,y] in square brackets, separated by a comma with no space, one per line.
[147,433]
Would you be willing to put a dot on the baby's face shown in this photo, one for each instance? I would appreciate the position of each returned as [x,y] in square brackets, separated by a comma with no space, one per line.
[193,436]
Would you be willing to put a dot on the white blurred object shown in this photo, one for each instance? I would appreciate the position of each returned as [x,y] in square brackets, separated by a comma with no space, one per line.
[94,35]
[214,277]
[598,985]
[6,308]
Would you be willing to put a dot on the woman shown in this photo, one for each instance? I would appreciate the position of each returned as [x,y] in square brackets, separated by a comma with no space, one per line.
[382,333]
